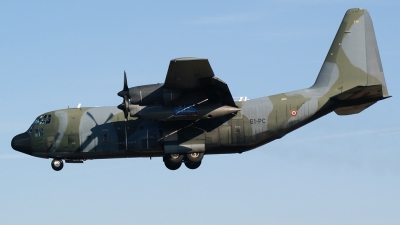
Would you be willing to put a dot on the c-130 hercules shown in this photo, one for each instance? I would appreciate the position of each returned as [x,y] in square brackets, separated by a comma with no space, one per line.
[193,112]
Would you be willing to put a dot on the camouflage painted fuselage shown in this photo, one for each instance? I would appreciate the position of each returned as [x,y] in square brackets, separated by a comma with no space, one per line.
[99,132]
[351,79]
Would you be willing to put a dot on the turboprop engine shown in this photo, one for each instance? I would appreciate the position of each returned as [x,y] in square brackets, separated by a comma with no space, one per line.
[136,97]
[148,102]
[152,94]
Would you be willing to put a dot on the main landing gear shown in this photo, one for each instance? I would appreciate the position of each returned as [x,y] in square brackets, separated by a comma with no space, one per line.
[191,160]
[57,164]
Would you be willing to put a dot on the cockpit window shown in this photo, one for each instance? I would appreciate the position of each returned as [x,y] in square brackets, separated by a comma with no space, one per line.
[48,120]
[41,120]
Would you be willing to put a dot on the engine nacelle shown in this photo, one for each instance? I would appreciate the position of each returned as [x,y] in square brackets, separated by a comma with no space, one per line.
[152,94]
[190,112]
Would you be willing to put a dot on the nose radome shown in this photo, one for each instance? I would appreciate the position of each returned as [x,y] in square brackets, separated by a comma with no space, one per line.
[22,143]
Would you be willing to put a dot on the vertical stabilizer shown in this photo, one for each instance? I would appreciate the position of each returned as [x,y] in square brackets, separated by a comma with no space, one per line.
[353,59]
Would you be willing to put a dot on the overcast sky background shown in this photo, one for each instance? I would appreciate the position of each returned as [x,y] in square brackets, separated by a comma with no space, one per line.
[336,170]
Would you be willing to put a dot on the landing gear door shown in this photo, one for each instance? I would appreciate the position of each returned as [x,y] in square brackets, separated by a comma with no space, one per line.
[184,148]
[187,140]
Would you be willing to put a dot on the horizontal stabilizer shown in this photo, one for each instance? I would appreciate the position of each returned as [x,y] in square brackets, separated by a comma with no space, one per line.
[344,111]
[358,98]
[361,92]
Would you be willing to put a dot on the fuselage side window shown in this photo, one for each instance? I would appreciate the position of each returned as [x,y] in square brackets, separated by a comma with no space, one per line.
[39,132]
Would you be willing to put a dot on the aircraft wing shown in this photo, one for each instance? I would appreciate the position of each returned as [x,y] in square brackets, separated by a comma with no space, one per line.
[195,79]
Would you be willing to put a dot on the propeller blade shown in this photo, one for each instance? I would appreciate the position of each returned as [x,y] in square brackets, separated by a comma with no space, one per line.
[125,90]
[124,106]
[125,83]
[121,106]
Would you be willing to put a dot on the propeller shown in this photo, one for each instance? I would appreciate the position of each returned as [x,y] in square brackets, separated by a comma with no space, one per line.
[124,106]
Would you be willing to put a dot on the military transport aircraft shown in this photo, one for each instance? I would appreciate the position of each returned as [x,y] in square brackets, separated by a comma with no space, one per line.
[193,114]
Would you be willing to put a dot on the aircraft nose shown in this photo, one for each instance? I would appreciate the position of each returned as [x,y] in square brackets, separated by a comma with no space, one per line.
[22,143]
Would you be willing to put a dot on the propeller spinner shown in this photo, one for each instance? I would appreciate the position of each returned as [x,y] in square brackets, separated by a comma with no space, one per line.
[124,106]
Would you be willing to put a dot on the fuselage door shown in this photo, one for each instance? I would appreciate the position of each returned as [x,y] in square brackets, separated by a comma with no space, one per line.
[73,142]
[237,131]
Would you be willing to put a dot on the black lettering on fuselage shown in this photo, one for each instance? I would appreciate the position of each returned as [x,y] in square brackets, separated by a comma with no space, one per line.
[257,121]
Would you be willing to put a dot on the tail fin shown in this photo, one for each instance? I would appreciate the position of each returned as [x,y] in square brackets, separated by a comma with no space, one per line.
[353,64]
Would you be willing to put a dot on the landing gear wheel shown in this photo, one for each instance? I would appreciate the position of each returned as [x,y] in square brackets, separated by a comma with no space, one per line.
[194,157]
[192,166]
[172,166]
[173,161]
[173,158]
[57,164]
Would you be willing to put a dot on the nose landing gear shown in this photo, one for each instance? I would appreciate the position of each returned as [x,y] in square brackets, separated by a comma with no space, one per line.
[57,164]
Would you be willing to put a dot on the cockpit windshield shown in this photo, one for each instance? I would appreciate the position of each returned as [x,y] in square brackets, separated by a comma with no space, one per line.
[41,120]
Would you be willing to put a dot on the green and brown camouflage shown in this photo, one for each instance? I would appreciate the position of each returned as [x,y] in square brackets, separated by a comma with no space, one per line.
[350,80]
